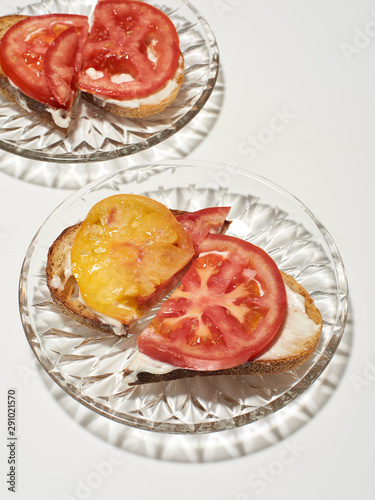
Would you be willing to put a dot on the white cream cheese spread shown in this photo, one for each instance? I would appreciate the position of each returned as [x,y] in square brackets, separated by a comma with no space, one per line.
[61,117]
[297,327]
[142,363]
[153,99]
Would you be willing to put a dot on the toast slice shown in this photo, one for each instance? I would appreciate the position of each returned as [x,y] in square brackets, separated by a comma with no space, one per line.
[57,118]
[285,353]
[64,288]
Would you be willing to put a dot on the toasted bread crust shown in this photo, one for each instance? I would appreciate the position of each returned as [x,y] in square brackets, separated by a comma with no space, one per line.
[256,367]
[7,22]
[144,110]
[15,95]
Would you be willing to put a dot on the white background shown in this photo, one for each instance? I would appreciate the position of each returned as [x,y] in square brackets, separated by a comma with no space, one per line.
[315,63]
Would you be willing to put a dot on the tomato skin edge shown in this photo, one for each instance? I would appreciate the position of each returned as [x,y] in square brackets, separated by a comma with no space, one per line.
[180,361]
[211,219]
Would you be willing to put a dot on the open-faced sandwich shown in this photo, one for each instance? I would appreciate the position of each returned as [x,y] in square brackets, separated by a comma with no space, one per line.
[40,59]
[132,63]
[128,62]
[233,312]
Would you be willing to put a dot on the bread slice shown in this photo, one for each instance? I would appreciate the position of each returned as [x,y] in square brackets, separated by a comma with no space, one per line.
[59,119]
[142,108]
[294,352]
[64,288]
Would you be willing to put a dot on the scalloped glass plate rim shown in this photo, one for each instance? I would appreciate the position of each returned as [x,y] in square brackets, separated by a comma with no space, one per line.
[297,388]
[131,148]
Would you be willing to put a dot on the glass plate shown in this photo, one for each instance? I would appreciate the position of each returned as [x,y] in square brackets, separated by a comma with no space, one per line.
[97,135]
[89,365]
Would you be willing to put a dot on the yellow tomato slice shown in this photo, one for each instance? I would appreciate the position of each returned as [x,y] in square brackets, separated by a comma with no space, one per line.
[128,247]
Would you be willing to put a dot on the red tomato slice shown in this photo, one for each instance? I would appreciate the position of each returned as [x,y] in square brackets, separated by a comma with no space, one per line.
[227,310]
[24,47]
[62,63]
[132,50]
[202,222]
[59,62]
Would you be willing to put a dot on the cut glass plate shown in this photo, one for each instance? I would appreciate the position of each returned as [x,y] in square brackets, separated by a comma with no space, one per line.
[97,135]
[90,365]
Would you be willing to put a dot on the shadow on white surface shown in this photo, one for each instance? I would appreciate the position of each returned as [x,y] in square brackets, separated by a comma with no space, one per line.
[222,445]
[76,175]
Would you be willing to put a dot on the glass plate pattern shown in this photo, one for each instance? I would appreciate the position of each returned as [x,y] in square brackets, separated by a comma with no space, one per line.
[99,136]
[89,365]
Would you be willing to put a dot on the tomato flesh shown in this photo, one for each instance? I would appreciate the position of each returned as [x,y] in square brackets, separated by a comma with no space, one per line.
[227,310]
[132,50]
[25,47]
[202,222]
[59,63]
[128,248]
